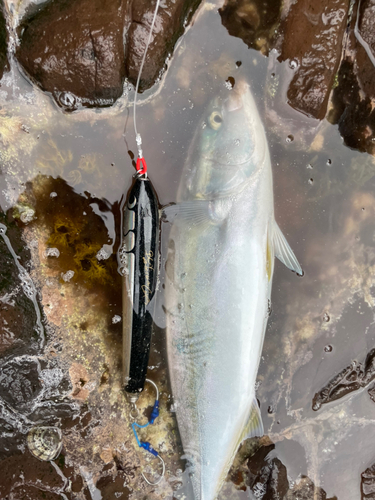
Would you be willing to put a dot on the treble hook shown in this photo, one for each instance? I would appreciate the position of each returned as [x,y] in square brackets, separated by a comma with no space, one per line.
[160,478]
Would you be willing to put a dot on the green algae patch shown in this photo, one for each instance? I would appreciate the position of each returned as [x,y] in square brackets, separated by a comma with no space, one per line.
[73,228]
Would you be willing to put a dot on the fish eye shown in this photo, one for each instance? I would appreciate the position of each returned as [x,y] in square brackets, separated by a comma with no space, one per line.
[215,120]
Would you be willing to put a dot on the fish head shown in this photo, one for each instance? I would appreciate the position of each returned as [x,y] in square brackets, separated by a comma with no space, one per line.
[228,148]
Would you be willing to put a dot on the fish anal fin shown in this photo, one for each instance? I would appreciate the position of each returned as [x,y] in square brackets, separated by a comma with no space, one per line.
[254,425]
[283,251]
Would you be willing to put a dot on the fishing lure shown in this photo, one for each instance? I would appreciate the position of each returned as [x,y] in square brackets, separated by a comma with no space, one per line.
[139,257]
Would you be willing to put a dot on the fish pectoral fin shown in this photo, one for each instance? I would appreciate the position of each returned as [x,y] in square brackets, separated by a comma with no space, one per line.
[283,251]
[194,212]
[254,425]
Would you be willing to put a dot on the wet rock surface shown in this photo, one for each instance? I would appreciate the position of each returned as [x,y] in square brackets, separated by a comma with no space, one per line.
[254,21]
[268,479]
[76,47]
[172,17]
[3,42]
[353,97]
[352,378]
[20,384]
[267,475]
[312,44]
[78,392]
[17,314]
[81,51]
[368,483]
[305,489]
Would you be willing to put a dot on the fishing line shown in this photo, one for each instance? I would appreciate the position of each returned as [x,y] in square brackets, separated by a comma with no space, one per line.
[142,170]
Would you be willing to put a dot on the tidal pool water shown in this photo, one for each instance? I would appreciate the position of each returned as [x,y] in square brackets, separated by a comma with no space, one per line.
[63,179]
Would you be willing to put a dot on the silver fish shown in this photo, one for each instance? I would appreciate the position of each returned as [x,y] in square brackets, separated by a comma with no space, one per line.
[219,271]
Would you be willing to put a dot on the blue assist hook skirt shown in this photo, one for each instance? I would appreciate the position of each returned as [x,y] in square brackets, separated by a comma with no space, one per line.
[145,444]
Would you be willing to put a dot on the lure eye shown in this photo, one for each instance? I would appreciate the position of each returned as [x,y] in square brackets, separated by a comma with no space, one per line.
[215,120]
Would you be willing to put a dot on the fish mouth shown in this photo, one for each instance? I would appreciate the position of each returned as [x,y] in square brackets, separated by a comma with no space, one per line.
[235,99]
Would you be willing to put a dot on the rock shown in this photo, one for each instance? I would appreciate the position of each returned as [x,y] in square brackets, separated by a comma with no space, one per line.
[254,21]
[267,476]
[111,488]
[11,439]
[371,392]
[3,42]
[354,95]
[20,383]
[18,334]
[369,368]
[305,489]
[26,492]
[365,47]
[368,484]
[312,43]
[352,378]
[75,49]
[79,378]
[29,471]
[268,479]
[348,380]
[169,25]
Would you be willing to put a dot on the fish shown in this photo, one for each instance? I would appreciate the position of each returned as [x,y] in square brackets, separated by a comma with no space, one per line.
[222,243]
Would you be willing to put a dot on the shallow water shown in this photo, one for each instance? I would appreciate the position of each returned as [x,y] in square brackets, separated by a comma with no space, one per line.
[324,203]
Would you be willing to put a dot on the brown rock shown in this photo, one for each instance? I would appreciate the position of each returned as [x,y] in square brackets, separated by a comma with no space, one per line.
[313,32]
[254,21]
[305,489]
[17,313]
[79,377]
[368,484]
[27,492]
[353,99]
[371,392]
[20,384]
[75,50]
[3,42]
[29,472]
[169,25]
[267,476]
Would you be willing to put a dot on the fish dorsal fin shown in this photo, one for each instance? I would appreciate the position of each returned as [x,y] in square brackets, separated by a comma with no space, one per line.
[254,425]
[283,251]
